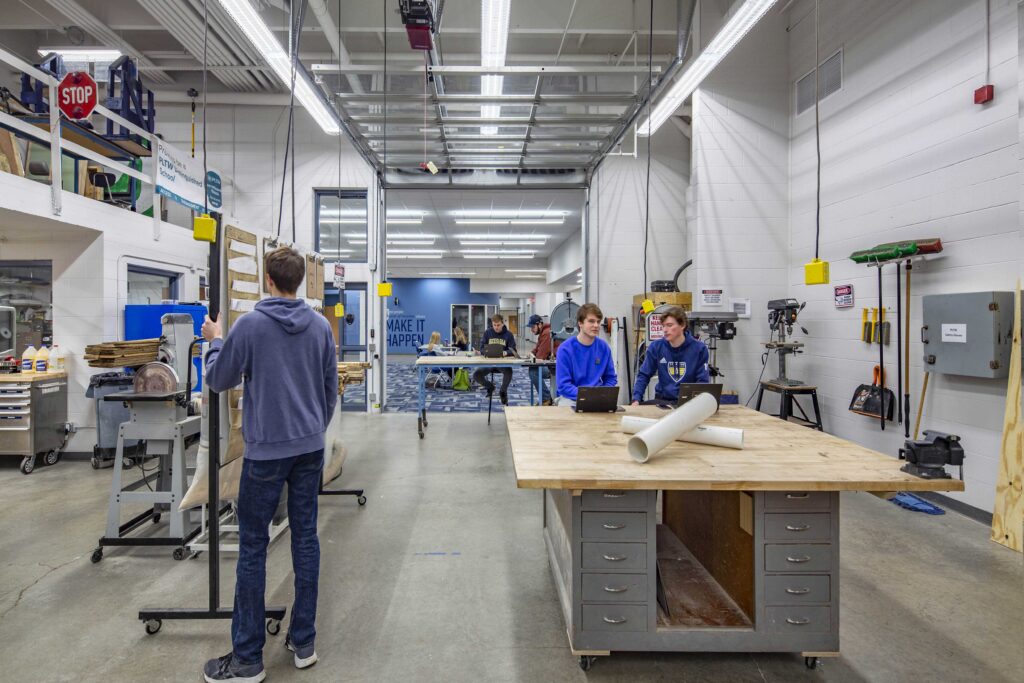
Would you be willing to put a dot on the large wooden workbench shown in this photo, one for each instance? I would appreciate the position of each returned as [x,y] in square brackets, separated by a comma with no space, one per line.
[702,548]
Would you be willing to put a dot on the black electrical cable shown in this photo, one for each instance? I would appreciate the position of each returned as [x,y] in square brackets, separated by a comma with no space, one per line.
[384,165]
[291,113]
[337,99]
[647,193]
[764,364]
[206,31]
[817,136]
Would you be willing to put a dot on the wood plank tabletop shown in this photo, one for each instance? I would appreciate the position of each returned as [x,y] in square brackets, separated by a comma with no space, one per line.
[18,378]
[556,448]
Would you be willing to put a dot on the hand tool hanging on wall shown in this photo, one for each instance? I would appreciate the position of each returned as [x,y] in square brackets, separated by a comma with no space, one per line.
[865,326]
[884,328]
[874,326]
[899,345]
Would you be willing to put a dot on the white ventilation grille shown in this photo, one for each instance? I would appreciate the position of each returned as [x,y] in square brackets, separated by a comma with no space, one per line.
[830,80]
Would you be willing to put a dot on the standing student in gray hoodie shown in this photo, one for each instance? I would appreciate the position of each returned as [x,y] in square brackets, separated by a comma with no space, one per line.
[285,353]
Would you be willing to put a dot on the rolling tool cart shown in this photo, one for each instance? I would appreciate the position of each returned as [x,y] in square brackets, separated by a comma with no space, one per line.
[33,417]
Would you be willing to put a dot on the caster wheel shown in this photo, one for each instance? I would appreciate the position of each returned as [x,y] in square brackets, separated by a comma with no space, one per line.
[95,463]
[153,626]
[273,626]
[127,463]
[52,457]
[587,662]
[28,464]
[811,662]
[178,554]
[97,555]
[361,500]
[156,518]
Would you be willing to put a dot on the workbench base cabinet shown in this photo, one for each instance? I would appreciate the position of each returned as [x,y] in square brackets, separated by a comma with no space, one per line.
[723,571]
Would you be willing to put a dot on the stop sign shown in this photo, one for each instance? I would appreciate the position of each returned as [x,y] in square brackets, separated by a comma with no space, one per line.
[76,95]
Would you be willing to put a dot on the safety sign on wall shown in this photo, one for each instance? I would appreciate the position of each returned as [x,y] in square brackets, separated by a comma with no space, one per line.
[844,296]
[339,276]
[654,328]
[712,297]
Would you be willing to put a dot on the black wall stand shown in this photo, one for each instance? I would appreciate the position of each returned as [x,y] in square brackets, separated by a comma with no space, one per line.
[153,618]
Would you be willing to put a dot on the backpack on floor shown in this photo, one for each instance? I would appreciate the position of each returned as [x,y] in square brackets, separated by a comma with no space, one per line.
[460,382]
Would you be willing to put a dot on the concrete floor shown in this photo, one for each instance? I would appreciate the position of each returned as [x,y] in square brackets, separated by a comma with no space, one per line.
[443,577]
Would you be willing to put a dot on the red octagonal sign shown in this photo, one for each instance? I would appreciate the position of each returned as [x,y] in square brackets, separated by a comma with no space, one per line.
[76,95]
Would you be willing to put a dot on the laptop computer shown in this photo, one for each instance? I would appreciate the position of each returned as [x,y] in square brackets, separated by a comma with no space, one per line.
[492,351]
[597,399]
[688,391]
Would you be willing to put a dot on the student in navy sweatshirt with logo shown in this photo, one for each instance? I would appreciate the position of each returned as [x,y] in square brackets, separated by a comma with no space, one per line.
[677,359]
[584,360]
[497,334]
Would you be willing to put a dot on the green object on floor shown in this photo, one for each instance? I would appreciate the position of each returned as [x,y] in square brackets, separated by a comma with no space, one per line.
[460,382]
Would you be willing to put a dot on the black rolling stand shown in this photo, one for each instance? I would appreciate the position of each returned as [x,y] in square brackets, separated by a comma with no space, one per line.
[153,618]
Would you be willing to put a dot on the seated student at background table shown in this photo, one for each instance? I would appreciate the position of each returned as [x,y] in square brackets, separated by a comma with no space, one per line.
[459,340]
[677,359]
[542,351]
[431,347]
[497,334]
[584,360]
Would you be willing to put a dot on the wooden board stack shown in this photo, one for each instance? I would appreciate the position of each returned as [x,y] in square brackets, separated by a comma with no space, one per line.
[122,354]
[350,373]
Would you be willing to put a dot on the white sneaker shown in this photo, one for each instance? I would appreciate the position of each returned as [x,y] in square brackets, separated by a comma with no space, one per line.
[305,657]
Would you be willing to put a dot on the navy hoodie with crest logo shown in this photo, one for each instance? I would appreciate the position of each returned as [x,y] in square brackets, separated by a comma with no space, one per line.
[685,364]
[285,352]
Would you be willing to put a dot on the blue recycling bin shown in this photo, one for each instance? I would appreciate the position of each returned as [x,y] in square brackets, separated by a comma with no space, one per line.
[143,322]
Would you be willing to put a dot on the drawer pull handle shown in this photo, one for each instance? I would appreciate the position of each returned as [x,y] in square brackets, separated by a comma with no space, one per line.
[798,496]
[614,495]
[615,558]
[797,527]
[797,622]
[621,589]
[798,591]
[799,560]
[620,620]
[613,527]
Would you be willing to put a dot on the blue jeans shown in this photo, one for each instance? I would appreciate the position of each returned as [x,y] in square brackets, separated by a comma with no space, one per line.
[545,377]
[258,497]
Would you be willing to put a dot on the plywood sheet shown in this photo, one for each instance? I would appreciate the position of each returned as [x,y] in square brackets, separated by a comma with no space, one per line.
[560,449]
[1008,513]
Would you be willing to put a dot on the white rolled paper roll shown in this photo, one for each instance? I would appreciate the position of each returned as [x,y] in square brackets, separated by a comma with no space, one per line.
[682,420]
[726,437]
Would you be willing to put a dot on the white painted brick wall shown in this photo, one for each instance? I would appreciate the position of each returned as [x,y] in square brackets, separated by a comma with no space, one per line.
[906,153]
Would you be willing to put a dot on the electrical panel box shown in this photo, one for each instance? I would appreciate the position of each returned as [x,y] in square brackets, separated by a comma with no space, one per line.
[968,334]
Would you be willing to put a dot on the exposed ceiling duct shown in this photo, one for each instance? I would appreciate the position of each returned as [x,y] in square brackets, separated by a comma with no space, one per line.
[105,35]
[184,20]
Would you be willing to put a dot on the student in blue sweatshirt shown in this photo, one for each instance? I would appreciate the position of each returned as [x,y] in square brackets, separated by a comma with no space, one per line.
[285,353]
[497,334]
[677,359]
[584,360]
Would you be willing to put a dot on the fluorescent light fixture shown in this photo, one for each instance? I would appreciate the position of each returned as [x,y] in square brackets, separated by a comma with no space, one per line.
[353,213]
[498,251]
[494,18]
[509,221]
[405,221]
[415,251]
[357,242]
[355,235]
[526,270]
[500,236]
[492,256]
[503,244]
[508,213]
[412,236]
[342,221]
[412,256]
[411,243]
[81,54]
[405,213]
[451,274]
[529,277]
[736,26]
[256,30]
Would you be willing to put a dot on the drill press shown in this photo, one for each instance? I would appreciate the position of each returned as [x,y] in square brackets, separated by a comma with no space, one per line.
[782,314]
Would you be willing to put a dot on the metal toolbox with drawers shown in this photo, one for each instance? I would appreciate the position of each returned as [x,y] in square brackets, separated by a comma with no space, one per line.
[33,418]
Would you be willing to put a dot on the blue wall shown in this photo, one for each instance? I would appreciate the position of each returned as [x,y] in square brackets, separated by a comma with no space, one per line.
[424,306]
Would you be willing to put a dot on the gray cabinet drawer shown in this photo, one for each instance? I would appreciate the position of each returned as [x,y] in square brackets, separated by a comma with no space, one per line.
[615,526]
[798,500]
[614,617]
[609,556]
[614,500]
[797,589]
[615,588]
[798,557]
[798,619]
[781,526]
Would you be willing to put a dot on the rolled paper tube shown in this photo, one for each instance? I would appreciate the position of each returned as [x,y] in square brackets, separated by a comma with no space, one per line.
[726,437]
[654,438]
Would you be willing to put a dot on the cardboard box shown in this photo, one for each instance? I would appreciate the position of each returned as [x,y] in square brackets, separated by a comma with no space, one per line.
[684,299]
